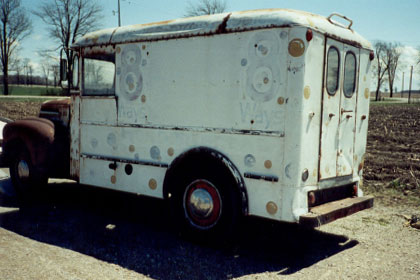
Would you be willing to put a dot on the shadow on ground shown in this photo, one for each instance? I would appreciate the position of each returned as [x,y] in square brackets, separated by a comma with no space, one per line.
[135,233]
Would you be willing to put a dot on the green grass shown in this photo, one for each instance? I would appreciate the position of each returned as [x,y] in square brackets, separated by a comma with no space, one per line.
[33,90]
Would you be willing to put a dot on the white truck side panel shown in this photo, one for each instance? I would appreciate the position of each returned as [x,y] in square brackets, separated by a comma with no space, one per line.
[101,144]
[227,81]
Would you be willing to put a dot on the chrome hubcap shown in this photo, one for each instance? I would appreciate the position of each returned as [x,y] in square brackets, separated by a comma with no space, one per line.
[202,204]
[23,169]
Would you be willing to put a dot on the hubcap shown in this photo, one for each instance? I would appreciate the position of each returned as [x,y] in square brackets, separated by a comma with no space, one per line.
[202,204]
[23,170]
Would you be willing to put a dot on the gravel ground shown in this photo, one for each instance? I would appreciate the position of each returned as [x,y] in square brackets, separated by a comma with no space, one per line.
[78,232]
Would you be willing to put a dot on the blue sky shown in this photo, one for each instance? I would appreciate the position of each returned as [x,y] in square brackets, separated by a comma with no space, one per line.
[386,20]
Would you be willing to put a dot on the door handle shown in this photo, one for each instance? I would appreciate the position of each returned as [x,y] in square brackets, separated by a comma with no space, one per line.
[346,111]
[331,115]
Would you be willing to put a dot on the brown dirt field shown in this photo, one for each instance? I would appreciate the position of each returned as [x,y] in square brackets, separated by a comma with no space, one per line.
[392,163]
[16,110]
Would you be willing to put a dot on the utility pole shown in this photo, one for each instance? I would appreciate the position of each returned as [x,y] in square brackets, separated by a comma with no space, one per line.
[409,90]
[119,14]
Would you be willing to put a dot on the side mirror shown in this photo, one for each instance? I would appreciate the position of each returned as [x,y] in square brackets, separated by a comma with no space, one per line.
[75,79]
[63,69]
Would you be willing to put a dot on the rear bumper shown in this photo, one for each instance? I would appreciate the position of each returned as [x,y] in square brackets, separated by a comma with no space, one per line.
[334,210]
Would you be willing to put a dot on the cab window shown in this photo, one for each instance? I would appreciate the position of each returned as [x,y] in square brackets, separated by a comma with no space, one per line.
[98,76]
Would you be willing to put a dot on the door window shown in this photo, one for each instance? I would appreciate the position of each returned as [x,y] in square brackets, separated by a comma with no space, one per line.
[333,70]
[98,77]
[349,74]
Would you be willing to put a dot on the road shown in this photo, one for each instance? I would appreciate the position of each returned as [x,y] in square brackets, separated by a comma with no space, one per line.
[80,232]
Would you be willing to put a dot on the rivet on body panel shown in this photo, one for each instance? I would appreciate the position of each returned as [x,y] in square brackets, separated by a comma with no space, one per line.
[307,92]
[113,179]
[132,148]
[280,100]
[268,164]
[170,151]
[271,208]
[249,160]
[296,47]
[155,153]
[152,184]
[366,93]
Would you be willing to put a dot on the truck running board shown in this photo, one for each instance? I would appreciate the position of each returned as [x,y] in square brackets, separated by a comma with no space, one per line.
[334,210]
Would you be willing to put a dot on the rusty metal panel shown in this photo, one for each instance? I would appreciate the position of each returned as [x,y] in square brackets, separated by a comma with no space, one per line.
[330,118]
[362,114]
[220,23]
[331,211]
[348,108]
[338,122]
[75,137]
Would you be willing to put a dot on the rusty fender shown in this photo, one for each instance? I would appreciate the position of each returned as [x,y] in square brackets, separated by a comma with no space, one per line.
[37,134]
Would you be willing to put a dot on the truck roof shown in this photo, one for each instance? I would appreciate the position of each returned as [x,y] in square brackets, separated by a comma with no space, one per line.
[222,23]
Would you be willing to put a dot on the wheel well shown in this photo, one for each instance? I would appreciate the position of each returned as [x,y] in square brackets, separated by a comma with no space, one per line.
[209,158]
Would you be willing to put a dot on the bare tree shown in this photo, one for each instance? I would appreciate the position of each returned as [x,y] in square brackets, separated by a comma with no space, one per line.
[14,27]
[392,56]
[46,67]
[380,67]
[68,20]
[16,65]
[205,7]
[26,63]
[55,68]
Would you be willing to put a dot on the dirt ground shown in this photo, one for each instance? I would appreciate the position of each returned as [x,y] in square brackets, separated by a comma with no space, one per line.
[392,162]
[16,110]
[75,232]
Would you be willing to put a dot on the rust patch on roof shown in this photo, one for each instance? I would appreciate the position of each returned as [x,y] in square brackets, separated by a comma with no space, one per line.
[164,22]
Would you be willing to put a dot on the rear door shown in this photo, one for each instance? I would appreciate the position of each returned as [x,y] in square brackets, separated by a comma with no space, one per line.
[338,110]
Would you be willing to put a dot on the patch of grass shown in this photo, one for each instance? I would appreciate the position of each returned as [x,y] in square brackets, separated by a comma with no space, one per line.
[33,90]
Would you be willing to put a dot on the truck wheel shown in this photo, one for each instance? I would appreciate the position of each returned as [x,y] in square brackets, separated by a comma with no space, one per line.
[25,179]
[206,207]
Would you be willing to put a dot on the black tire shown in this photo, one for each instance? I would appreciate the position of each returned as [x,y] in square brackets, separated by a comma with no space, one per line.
[26,179]
[205,204]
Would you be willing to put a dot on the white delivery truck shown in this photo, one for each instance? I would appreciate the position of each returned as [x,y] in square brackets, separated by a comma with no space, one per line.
[261,113]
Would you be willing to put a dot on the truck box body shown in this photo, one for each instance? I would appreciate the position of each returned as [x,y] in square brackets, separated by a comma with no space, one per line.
[282,95]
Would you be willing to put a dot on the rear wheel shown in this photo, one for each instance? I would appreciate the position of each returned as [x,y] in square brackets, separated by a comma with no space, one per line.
[206,204]
[25,177]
